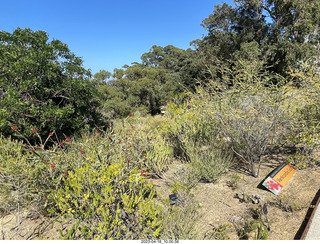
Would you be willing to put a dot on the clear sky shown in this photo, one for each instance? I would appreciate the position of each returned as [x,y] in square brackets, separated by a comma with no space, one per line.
[108,34]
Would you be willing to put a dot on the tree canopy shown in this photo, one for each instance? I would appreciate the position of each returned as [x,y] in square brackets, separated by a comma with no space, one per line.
[283,33]
[264,36]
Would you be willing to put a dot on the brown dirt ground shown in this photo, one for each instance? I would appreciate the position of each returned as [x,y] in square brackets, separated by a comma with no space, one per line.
[30,228]
[297,196]
[286,211]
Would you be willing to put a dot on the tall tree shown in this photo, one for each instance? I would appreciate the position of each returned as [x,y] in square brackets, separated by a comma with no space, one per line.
[102,75]
[286,32]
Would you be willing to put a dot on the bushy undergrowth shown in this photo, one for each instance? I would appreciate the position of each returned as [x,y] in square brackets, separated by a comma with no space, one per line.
[108,202]
[248,120]
[305,134]
[100,181]
[193,136]
[16,186]
[251,122]
[179,222]
[149,135]
[97,180]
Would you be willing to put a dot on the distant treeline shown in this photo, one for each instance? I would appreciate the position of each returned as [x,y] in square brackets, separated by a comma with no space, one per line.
[267,36]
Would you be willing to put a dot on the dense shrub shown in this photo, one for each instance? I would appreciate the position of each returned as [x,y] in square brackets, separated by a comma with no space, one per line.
[305,133]
[44,86]
[27,175]
[251,122]
[14,176]
[148,137]
[246,120]
[109,202]
[194,138]
[95,182]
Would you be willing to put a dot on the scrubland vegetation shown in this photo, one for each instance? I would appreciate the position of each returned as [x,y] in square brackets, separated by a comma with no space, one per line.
[85,150]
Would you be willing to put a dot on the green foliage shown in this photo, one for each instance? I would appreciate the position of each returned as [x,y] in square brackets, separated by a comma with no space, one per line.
[146,141]
[14,168]
[209,163]
[306,144]
[261,37]
[234,181]
[260,231]
[28,174]
[91,180]
[44,86]
[158,156]
[304,136]
[102,76]
[246,120]
[190,127]
[194,138]
[180,220]
[111,202]
[284,33]
[254,229]
[251,122]
[257,92]
[146,86]
[219,233]
[96,182]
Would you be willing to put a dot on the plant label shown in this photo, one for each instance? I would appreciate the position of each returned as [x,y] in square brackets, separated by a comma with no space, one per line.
[279,178]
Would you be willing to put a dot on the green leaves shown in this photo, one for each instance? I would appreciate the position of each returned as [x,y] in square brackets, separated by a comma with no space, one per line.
[285,33]
[43,85]
[148,85]
[108,201]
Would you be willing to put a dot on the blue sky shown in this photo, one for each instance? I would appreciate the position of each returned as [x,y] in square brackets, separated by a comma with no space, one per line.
[108,34]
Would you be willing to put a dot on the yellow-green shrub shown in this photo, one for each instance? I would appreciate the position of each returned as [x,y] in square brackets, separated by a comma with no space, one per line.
[25,177]
[194,137]
[111,202]
[14,168]
[148,137]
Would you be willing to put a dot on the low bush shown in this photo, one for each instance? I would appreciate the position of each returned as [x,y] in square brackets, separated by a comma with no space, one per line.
[148,135]
[221,232]
[304,139]
[251,123]
[180,218]
[194,138]
[234,181]
[27,176]
[209,163]
[97,182]
[15,189]
[109,202]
